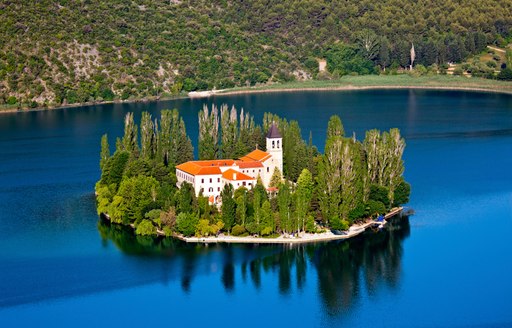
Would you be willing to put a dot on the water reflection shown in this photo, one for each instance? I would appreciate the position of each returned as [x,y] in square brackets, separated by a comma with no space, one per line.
[343,269]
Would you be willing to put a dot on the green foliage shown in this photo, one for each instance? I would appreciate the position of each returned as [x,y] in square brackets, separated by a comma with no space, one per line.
[238,230]
[114,168]
[380,194]
[344,59]
[186,223]
[402,192]
[138,193]
[505,74]
[228,208]
[145,228]
[11,100]
[374,207]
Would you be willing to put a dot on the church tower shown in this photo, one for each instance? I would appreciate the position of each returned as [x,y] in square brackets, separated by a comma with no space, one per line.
[274,148]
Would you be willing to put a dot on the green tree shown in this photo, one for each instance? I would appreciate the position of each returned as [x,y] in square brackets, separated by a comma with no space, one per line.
[105,151]
[130,138]
[335,127]
[209,133]
[147,136]
[303,194]
[228,207]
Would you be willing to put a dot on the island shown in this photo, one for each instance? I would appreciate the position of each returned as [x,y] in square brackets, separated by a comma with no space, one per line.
[285,192]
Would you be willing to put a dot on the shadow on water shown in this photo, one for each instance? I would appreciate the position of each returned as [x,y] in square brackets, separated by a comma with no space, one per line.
[343,268]
[372,259]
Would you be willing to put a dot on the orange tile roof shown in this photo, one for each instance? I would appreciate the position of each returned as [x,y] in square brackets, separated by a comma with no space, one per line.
[230,175]
[205,167]
[256,155]
[249,164]
[196,169]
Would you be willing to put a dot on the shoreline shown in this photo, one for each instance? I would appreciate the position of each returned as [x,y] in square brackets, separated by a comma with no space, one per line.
[358,83]
[357,88]
[304,238]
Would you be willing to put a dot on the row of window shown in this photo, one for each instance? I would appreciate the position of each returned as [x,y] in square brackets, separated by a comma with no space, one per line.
[274,144]
[245,184]
[186,177]
[211,180]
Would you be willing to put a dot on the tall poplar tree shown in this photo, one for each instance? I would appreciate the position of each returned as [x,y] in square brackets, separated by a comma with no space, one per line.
[130,138]
[105,151]
[303,194]
[147,136]
[209,133]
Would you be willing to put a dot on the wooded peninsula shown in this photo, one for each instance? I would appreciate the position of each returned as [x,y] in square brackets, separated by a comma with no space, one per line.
[351,182]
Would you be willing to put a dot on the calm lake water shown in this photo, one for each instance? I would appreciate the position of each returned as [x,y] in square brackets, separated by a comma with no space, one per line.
[449,266]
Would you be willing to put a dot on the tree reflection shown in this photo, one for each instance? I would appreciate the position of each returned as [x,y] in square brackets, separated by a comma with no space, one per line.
[343,268]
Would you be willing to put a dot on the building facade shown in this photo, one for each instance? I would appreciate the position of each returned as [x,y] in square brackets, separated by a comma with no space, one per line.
[210,177]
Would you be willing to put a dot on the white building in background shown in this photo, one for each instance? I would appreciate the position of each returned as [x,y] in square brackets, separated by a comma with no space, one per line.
[210,177]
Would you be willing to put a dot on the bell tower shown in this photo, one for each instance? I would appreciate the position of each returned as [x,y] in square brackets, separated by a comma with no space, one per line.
[274,148]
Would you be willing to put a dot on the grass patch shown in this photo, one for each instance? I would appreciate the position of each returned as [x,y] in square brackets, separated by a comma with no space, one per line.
[383,81]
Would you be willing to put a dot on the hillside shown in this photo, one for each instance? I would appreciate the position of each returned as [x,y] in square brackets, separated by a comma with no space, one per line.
[69,51]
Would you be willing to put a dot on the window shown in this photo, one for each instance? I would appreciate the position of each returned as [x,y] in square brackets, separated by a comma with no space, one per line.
[277,143]
[218,179]
[218,189]
[210,189]
[268,169]
[202,180]
[252,171]
[244,183]
[210,180]
[273,144]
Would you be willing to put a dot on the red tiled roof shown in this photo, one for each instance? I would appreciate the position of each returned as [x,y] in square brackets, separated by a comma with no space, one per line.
[233,175]
[205,167]
[256,155]
[249,164]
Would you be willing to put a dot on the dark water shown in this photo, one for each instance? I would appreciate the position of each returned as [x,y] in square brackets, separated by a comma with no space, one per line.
[451,266]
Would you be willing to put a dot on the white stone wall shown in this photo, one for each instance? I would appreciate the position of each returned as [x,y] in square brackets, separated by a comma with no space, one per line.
[211,184]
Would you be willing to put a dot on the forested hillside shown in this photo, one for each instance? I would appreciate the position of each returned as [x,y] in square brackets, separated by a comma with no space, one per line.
[67,51]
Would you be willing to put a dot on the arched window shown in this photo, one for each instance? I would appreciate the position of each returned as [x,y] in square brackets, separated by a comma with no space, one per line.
[273,144]
[210,189]
[277,143]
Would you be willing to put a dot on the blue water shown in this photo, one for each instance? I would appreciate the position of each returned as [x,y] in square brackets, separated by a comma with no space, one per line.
[451,266]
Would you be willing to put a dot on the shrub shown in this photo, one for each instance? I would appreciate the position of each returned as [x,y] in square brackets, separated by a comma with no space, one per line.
[145,228]
[492,64]
[238,230]
[379,194]
[12,100]
[310,224]
[375,207]
[458,71]
[186,224]
[505,74]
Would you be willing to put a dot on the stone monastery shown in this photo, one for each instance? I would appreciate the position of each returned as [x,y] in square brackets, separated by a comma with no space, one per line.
[210,177]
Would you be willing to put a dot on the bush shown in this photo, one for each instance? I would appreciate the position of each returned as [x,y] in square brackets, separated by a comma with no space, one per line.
[12,100]
[458,71]
[379,194]
[145,228]
[375,207]
[505,75]
[310,224]
[238,230]
[491,64]
[186,224]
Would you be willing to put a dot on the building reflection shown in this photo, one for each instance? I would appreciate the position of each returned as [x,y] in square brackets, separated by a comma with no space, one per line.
[343,269]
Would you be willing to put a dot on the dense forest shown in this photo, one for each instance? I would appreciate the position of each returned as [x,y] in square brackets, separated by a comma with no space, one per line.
[351,181]
[73,51]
